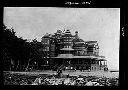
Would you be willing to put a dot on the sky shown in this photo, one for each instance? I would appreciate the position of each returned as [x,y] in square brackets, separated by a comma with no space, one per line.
[100,24]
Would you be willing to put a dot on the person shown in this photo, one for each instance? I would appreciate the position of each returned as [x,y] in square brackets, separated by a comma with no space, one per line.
[59,72]
[75,69]
[89,70]
[81,69]
[105,69]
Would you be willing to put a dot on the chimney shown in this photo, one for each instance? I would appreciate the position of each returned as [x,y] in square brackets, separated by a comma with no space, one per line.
[76,33]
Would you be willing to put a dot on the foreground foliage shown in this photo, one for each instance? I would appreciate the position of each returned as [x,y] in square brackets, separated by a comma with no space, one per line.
[44,79]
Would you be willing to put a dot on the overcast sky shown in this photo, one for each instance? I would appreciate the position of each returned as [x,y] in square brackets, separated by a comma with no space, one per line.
[100,24]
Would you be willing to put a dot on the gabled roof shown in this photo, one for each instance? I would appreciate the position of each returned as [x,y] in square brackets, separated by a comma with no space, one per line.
[47,35]
[78,45]
[65,56]
[67,49]
[67,35]
[78,40]
[91,41]
[99,58]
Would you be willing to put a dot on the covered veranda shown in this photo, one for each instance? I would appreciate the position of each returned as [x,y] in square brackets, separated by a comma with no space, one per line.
[79,62]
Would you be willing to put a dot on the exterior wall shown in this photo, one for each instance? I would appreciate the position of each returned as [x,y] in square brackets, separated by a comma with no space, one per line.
[92,48]
[46,44]
[59,41]
[52,50]
[95,67]
[45,47]
[67,41]
[80,49]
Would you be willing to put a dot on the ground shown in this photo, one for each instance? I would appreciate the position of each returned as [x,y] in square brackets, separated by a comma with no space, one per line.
[49,78]
[73,73]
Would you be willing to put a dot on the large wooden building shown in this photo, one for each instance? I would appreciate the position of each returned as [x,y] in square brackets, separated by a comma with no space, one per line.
[66,51]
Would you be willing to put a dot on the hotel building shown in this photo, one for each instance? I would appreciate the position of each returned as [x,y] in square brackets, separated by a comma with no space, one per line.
[66,51]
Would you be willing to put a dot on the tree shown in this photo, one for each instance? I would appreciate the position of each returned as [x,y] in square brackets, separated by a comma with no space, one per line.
[14,49]
[35,54]
[18,51]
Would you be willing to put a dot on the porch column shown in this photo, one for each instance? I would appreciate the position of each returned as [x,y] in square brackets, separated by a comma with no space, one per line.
[100,63]
[62,61]
[105,63]
[97,62]
[69,62]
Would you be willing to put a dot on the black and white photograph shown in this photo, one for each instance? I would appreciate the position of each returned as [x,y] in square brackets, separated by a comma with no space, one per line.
[61,46]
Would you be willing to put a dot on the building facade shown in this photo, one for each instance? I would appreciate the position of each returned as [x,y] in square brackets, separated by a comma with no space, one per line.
[66,51]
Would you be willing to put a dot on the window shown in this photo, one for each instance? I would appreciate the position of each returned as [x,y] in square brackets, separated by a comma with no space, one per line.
[95,68]
[92,68]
